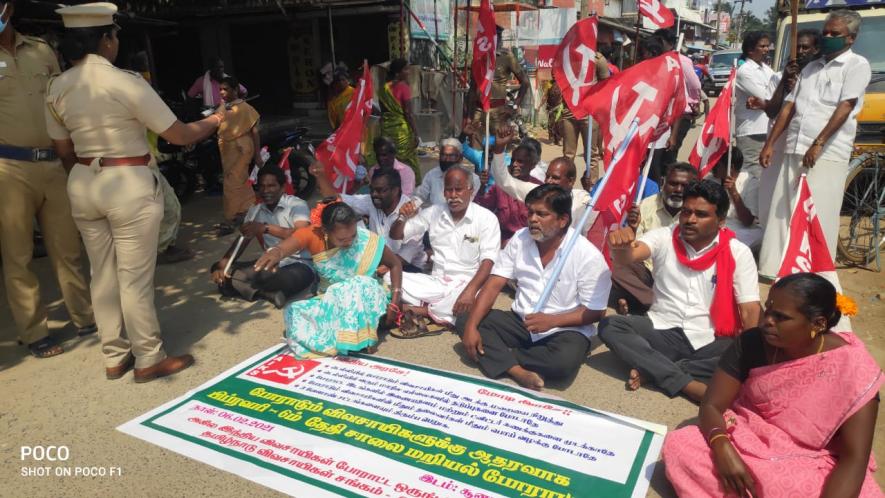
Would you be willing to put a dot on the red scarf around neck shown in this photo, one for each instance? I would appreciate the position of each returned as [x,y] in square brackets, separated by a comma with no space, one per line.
[724,309]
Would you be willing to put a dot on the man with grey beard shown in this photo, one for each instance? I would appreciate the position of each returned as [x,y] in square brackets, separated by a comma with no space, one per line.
[632,284]
[532,347]
[465,238]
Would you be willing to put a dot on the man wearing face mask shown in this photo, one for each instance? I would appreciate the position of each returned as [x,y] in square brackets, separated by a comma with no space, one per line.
[465,238]
[32,185]
[430,192]
[820,120]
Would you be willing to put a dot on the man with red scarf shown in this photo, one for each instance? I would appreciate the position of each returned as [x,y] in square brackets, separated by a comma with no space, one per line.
[705,293]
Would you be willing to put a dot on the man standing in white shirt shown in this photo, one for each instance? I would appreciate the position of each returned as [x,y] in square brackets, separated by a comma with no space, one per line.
[553,343]
[820,118]
[561,171]
[430,192]
[705,293]
[465,239]
[381,207]
[754,79]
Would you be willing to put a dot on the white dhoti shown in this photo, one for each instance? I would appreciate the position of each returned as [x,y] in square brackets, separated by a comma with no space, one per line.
[437,293]
[826,180]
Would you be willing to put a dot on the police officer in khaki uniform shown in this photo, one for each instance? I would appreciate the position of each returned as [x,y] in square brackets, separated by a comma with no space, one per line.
[96,115]
[32,184]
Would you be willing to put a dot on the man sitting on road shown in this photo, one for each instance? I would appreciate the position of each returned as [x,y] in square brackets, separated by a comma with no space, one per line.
[632,284]
[272,220]
[561,171]
[705,292]
[511,212]
[381,207]
[430,192]
[553,343]
[465,238]
[385,153]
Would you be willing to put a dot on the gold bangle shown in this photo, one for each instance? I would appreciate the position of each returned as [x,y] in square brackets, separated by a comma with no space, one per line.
[717,436]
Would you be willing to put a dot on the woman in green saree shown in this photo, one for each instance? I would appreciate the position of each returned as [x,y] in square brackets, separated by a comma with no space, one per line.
[397,122]
[346,316]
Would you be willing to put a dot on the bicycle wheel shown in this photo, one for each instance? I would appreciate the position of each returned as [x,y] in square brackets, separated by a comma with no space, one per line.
[863,210]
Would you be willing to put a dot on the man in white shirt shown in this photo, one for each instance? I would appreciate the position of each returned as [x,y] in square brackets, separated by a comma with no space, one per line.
[465,239]
[632,285]
[753,79]
[693,93]
[820,118]
[381,208]
[430,192]
[692,320]
[272,220]
[553,343]
[743,193]
[561,171]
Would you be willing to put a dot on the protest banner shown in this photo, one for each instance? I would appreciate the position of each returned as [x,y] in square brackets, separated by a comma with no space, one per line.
[367,426]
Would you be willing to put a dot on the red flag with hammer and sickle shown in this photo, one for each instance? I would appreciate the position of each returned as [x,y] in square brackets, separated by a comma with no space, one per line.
[340,152]
[484,46]
[656,12]
[575,64]
[713,141]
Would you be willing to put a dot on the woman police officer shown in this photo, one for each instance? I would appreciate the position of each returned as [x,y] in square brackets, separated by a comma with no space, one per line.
[96,115]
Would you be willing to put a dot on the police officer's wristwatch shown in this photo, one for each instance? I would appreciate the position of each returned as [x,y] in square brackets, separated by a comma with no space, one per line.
[266,228]
[818,142]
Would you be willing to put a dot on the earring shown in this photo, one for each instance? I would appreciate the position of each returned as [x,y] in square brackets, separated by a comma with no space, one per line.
[814,332]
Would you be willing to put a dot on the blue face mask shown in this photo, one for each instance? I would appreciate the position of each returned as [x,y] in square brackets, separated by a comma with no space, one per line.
[3,24]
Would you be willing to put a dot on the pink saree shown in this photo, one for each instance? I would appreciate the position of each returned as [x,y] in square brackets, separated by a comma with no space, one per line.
[781,424]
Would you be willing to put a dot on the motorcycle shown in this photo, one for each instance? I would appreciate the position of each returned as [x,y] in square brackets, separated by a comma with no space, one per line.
[183,166]
[291,149]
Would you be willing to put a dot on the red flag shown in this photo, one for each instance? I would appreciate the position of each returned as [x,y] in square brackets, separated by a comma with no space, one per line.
[616,196]
[340,152]
[656,12]
[715,135]
[652,92]
[574,65]
[484,46]
[806,249]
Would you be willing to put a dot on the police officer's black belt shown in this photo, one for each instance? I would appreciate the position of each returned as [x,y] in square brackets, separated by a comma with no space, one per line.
[27,154]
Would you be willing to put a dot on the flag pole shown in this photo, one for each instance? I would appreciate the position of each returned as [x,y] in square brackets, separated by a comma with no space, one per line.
[794,36]
[563,254]
[730,122]
[644,179]
[588,146]
[485,155]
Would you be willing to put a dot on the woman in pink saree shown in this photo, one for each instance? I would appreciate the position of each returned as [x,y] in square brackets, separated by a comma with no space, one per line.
[791,410]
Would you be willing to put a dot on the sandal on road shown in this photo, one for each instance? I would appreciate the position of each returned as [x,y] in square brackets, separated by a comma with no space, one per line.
[45,348]
[413,327]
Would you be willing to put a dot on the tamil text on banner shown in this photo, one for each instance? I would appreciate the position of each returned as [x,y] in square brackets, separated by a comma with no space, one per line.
[715,136]
[432,17]
[340,152]
[575,64]
[656,12]
[651,92]
[366,426]
[484,47]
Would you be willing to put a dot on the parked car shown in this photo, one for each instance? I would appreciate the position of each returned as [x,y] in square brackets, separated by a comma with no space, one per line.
[720,66]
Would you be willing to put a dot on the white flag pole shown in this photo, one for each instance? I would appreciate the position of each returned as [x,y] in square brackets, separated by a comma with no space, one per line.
[644,179]
[730,119]
[563,253]
[240,240]
[485,156]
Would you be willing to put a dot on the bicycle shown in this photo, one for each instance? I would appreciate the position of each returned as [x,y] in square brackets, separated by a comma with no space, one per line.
[862,218]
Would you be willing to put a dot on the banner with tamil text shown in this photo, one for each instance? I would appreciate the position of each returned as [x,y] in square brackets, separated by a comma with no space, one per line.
[366,426]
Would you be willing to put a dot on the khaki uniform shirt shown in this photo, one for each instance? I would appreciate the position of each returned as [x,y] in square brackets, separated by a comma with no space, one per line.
[602,73]
[23,77]
[104,110]
[505,66]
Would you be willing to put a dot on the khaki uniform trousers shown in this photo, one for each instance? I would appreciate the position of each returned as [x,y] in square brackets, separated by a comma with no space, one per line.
[118,211]
[573,128]
[29,190]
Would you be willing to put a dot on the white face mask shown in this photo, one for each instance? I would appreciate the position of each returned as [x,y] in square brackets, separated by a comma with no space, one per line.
[4,24]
